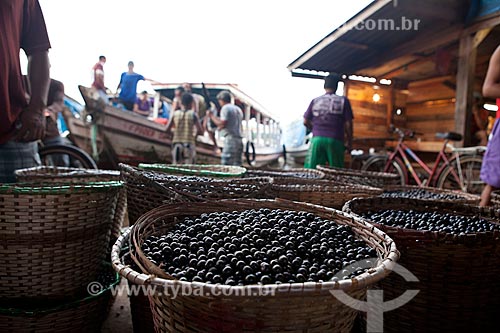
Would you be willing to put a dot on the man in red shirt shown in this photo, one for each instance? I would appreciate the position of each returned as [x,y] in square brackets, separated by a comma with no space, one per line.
[22,122]
[98,83]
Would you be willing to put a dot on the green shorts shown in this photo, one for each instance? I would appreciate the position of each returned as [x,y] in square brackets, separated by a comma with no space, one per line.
[323,150]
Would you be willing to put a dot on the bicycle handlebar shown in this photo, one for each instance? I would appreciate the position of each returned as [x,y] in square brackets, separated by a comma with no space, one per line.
[403,132]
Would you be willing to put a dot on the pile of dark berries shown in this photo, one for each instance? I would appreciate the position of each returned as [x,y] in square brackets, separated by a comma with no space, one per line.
[258,247]
[431,221]
[420,194]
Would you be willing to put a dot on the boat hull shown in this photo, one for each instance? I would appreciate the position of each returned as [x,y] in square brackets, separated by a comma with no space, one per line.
[125,137]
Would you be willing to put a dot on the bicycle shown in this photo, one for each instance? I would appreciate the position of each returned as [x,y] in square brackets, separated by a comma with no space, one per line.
[77,158]
[458,170]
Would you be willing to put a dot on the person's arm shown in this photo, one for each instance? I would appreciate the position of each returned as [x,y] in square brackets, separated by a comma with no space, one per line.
[219,122]
[170,125]
[348,134]
[308,123]
[308,116]
[119,83]
[491,86]
[32,119]
[199,128]
[348,128]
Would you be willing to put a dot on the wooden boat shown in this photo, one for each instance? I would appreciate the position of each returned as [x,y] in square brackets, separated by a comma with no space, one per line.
[112,135]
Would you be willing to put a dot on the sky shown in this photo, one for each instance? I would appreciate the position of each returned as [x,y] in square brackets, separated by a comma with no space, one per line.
[246,42]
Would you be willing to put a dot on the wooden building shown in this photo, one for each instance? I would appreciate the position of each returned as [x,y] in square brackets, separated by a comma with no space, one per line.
[420,63]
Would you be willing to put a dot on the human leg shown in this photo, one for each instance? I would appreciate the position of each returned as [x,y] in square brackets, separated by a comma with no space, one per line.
[316,154]
[232,152]
[335,152]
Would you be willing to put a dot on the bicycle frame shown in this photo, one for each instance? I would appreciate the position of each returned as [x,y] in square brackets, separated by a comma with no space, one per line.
[403,150]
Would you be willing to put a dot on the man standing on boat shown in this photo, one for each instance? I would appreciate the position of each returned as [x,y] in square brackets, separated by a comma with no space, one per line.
[185,121]
[330,118]
[98,83]
[229,124]
[128,87]
[22,122]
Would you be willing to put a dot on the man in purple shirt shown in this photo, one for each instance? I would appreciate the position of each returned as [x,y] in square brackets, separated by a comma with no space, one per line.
[330,118]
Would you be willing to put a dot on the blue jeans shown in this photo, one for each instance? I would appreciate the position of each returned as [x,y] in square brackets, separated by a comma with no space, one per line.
[17,155]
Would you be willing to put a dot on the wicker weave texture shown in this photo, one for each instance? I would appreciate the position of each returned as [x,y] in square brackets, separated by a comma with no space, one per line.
[53,240]
[459,285]
[86,314]
[50,174]
[360,177]
[295,173]
[147,190]
[320,192]
[207,170]
[297,307]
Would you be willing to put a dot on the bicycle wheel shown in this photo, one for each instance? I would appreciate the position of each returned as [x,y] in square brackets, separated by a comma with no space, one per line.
[378,163]
[470,169]
[67,156]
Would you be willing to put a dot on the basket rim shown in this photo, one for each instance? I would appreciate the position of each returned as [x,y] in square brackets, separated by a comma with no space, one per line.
[354,172]
[424,234]
[59,188]
[131,171]
[283,173]
[63,172]
[196,169]
[13,311]
[325,185]
[369,277]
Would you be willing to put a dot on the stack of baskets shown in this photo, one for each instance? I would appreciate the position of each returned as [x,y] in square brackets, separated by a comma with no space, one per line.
[50,175]
[459,289]
[360,177]
[307,307]
[321,192]
[53,243]
[148,189]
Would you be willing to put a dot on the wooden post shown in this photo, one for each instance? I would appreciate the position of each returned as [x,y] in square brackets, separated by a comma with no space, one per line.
[390,106]
[257,118]
[247,122]
[465,82]
[465,87]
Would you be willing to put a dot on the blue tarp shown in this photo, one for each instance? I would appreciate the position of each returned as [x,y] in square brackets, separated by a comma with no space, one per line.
[480,8]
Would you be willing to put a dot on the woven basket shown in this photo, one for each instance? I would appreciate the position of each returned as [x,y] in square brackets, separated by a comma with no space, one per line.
[459,285]
[207,170]
[53,239]
[495,198]
[86,314]
[320,192]
[460,197]
[50,174]
[297,173]
[360,177]
[149,189]
[142,317]
[307,307]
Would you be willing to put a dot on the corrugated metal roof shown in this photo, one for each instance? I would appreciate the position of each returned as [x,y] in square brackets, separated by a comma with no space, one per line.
[369,39]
